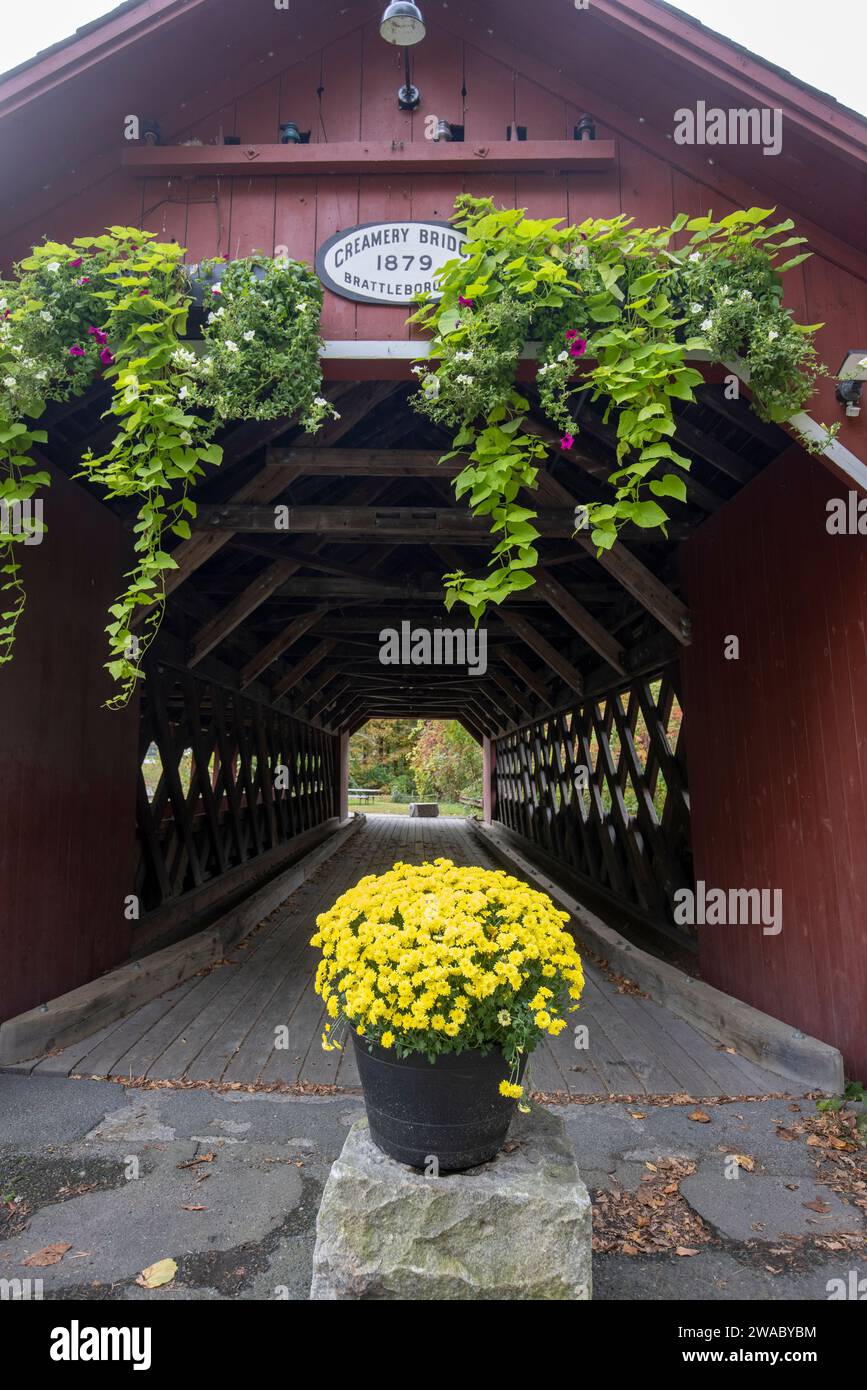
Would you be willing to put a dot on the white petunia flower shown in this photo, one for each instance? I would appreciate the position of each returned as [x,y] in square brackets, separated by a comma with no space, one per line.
[9,382]
[47,315]
[230,346]
[696,256]
[773,336]
[563,357]
[52,265]
[707,326]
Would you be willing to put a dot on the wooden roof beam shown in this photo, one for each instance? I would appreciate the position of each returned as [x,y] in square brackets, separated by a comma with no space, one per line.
[285,639]
[543,648]
[577,616]
[383,463]
[523,672]
[303,668]
[668,610]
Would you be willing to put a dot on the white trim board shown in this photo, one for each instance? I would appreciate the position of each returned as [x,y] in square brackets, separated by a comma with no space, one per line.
[414,349]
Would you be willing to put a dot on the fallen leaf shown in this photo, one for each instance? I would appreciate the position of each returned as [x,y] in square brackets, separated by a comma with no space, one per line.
[699,1116]
[744,1161]
[630,1250]
[48,1255]
[817,1205]
[192,1206]
[205,1158]
[638,1114]
[685,1250]
[163,1272]
[788,1134]
[651,1166]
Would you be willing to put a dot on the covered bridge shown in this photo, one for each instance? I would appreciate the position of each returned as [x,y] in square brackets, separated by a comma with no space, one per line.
[731,773]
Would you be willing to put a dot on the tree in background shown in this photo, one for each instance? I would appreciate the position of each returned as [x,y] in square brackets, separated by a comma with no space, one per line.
[447,761]
[379,754]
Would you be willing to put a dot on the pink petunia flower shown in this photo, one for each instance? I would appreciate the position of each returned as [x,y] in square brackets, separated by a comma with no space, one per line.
[567,441]
[579,347]
[466,303]
[216,289]
[106,357]
[83,280]
[74,264]
[141,292]
[98,334]
[76,350]
[571,334]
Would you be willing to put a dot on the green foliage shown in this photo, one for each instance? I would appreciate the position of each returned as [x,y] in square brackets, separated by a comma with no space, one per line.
[262,344]
[117,305]
[379,753]
[445,759]
[617,300]
[854,1094]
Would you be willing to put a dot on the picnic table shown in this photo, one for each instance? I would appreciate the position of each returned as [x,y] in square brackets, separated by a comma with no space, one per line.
[365,794]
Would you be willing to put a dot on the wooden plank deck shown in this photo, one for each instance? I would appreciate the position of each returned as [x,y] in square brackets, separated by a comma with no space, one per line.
[221,1026]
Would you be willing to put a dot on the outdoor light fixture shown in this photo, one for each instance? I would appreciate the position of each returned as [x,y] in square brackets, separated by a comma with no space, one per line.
[403,25]
[851,378]
[586,128]
[150,133]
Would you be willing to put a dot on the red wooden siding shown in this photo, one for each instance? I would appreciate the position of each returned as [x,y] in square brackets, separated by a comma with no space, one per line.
[68,766]
[777,744]
[345,89]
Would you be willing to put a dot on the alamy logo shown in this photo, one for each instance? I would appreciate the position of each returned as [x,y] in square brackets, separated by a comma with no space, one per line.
[738,907]
[850,1288]
[847,516]
[20,1290]
[739,125]
[22,519]
[77,1343]
[437,646]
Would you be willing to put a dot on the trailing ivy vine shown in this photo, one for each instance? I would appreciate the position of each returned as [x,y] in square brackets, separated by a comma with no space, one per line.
[117,306]
[615,311]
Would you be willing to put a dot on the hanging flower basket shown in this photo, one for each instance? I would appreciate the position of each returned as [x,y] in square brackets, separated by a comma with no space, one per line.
[447,978]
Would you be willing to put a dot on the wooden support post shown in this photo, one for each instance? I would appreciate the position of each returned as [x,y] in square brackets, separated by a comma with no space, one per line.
[341,797]
[489,791]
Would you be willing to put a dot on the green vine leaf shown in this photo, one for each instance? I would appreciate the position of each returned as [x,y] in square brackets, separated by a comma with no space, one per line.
[116,306]
[614,309]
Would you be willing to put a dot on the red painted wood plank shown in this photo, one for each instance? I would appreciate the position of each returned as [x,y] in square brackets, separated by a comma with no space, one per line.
[776,748]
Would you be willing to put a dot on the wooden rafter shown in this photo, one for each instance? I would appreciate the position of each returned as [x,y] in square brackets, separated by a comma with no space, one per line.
[543,648]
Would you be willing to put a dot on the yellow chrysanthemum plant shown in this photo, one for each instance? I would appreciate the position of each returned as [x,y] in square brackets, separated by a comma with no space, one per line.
[436,958]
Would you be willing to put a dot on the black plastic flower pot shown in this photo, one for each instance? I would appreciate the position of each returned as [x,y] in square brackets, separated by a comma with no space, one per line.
[449,1111]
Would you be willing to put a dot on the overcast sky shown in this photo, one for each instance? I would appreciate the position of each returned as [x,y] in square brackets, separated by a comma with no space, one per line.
[821,43]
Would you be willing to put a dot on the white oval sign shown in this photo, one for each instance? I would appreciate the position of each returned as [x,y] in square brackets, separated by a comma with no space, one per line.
[388,262]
